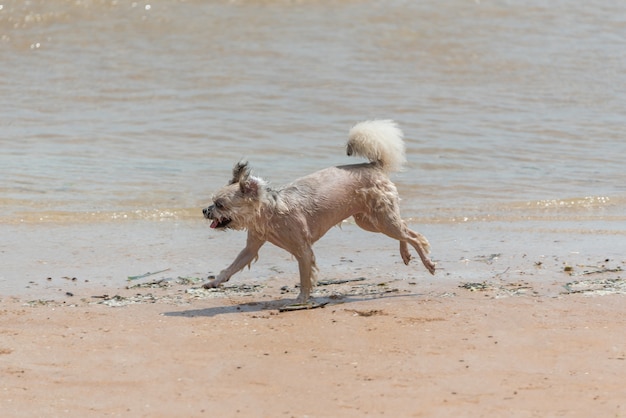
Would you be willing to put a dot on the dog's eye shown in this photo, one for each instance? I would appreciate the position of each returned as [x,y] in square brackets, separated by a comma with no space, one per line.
[219,205]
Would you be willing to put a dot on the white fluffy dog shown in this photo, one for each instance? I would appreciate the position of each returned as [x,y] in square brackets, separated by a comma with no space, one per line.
[295,216]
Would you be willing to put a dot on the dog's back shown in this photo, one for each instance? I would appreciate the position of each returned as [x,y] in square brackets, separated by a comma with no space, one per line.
[333,194]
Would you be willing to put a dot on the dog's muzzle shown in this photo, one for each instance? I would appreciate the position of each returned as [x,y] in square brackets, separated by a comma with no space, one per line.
[208,212]
[218,222]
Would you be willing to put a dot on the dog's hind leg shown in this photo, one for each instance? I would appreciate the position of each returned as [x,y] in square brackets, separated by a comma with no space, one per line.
[418,241]
[394,227]
[365,223]
[404,252]
[421,245]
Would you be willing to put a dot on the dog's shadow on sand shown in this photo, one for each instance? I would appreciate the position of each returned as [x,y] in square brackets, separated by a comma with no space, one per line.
[277,305]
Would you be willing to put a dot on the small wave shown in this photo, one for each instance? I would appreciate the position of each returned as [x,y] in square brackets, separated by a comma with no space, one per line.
[67,217]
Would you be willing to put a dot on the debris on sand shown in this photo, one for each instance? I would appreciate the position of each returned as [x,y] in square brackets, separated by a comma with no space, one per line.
[597,287]
[302,306]
[371,312]
[148,274]
[500,290]
[487,259]
[476,287]
[609,284]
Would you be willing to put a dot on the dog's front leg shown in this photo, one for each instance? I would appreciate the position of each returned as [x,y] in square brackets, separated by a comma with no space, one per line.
[308,270]
[245,258]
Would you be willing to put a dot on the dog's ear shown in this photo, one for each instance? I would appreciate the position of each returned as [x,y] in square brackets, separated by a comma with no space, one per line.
[241,171]
[250,186]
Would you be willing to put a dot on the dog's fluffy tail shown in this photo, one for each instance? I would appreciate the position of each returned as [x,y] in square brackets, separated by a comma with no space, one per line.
[380,141]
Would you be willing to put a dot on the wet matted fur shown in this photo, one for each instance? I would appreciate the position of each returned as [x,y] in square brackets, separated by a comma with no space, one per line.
[295,216]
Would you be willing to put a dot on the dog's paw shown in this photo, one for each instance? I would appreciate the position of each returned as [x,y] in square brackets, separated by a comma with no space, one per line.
[212,284]
[404,252]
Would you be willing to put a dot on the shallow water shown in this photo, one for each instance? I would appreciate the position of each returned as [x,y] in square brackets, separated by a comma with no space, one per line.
[127,111]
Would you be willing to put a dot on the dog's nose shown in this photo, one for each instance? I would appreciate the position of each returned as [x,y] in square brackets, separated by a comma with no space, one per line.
[207,212]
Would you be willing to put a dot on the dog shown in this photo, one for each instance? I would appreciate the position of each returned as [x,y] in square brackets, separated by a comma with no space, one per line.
[295,216]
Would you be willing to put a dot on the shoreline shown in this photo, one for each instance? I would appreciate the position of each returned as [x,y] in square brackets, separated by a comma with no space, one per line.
[49,261]
[592,281]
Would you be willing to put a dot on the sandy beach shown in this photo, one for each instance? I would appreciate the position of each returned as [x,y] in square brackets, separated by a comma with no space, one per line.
[393,354]
[489,335]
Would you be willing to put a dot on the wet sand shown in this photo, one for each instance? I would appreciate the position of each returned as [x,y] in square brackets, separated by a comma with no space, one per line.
[492,334]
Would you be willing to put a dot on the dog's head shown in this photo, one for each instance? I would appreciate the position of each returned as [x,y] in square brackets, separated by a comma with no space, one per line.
[236,205]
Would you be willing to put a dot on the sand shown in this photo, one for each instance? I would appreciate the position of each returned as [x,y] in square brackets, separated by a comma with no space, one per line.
[508,333]
[381,350]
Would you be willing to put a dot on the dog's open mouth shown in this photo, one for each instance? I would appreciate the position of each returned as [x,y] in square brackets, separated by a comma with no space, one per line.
[220,223]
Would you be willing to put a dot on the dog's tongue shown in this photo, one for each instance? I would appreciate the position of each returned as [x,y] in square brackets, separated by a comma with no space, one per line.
[214,224]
